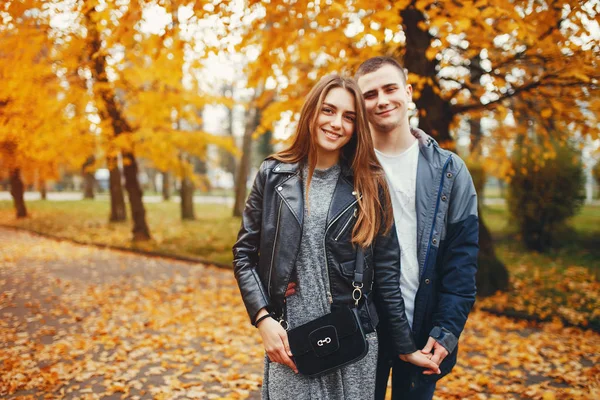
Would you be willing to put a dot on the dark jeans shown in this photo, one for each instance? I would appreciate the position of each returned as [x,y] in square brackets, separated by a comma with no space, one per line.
[401,382]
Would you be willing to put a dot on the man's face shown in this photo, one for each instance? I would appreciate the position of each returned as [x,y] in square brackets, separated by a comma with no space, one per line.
[386,97]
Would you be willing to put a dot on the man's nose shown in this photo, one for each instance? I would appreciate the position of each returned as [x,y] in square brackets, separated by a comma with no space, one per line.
[382,100]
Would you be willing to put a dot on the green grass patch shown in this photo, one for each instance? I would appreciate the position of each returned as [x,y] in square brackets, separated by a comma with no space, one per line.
[210,236]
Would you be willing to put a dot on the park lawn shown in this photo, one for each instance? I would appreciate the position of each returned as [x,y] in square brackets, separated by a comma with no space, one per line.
[209,237]
[562,284]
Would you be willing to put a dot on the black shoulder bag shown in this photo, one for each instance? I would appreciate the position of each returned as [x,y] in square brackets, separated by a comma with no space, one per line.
[334,340]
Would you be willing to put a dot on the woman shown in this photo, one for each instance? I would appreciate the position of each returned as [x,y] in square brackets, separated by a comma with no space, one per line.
[311,206]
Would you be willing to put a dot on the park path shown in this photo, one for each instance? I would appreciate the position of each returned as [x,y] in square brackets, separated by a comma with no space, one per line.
[81,322]
[198,199]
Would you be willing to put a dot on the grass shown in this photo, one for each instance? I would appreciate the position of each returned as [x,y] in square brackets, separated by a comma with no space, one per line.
[563,283]
[210,236]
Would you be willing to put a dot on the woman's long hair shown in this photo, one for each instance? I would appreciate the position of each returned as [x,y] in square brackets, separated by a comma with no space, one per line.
[358,153]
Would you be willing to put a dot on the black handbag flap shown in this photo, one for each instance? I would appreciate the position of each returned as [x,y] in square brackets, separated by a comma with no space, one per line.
[324,340]
[342,320]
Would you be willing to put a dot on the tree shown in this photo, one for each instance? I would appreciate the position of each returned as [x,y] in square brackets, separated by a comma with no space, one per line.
[596,173]
[542,196]
[111,112]
[261,100]
[38,126]
[529,50]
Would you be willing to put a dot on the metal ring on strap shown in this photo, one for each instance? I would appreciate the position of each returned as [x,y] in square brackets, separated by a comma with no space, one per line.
[284,324]
[356,293]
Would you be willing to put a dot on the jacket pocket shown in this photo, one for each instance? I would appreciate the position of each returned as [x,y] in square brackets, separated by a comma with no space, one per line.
[347,269]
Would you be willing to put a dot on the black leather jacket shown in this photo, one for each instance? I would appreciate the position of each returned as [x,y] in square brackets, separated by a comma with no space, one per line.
[268,243]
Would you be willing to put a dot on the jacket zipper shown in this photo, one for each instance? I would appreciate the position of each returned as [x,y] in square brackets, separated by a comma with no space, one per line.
[437,204]
[345,226]
[274,243]
[329,296]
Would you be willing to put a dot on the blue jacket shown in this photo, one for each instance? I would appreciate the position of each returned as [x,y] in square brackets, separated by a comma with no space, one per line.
[447,248]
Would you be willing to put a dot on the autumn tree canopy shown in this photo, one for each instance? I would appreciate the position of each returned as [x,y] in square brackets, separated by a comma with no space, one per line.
[526,64]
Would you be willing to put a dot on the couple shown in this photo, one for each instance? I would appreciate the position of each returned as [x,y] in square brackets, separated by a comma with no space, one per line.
[357,176]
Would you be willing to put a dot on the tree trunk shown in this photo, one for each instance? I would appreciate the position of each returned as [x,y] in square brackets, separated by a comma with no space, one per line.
[227,159]
[117,198]
[111,111]
[492,275]
[134,192]
[435,114]
[252,120]
[264,147]
[17,190]
[187,199]
[43,190]
[89,182]
[166,186]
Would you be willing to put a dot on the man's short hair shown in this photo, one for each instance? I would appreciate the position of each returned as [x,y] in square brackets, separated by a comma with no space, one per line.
[374,63]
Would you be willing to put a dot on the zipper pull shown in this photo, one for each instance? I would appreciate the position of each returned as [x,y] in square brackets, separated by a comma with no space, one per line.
[329,298]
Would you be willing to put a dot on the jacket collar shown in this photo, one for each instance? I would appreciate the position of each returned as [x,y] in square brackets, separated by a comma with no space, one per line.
[296,168]
[292,191]
[430,149]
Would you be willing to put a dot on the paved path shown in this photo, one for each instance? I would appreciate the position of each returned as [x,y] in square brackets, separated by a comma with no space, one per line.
[75,196]
[80,322]
[198,199]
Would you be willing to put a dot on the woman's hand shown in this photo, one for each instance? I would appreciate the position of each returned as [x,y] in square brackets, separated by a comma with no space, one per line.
[275,341]
[421,360]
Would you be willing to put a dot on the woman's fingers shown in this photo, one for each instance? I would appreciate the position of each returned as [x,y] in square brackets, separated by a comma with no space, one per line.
[287,353]
[276,343]
[291,289]
[286,343]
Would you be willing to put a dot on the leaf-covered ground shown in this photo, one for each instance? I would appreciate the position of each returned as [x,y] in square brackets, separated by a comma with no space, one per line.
[83,323]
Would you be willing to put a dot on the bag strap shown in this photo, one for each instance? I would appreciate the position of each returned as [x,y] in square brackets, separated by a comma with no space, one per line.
[359,269]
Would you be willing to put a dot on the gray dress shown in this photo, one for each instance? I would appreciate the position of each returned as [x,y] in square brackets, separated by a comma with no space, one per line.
[354,381]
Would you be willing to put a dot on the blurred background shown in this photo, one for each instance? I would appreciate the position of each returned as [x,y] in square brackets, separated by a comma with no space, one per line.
[140,124]
[150,115]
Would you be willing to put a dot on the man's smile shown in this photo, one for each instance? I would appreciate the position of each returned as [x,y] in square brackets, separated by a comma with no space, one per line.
[386,112]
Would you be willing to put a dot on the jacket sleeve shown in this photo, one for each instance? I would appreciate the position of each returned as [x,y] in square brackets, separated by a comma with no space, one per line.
[386,263]
[246,249]
[459,263]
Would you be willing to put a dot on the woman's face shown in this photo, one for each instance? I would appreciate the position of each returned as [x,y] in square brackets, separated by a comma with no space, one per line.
[335,122]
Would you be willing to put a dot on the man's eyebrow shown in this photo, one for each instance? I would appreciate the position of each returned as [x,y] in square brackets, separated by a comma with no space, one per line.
[386,86]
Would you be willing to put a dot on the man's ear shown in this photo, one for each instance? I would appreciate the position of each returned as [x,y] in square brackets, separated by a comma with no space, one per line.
[409,90]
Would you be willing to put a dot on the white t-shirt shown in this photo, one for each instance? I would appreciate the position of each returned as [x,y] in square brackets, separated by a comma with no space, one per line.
[401,173]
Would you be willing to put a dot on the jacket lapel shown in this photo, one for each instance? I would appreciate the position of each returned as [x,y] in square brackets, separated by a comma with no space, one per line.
[343,196]
[290,189]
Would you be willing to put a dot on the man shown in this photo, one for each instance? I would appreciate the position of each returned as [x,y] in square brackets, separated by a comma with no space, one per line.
[435,210]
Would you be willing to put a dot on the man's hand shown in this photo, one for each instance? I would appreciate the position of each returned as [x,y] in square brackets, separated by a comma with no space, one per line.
[422,360]
[439,352]
[291,289]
